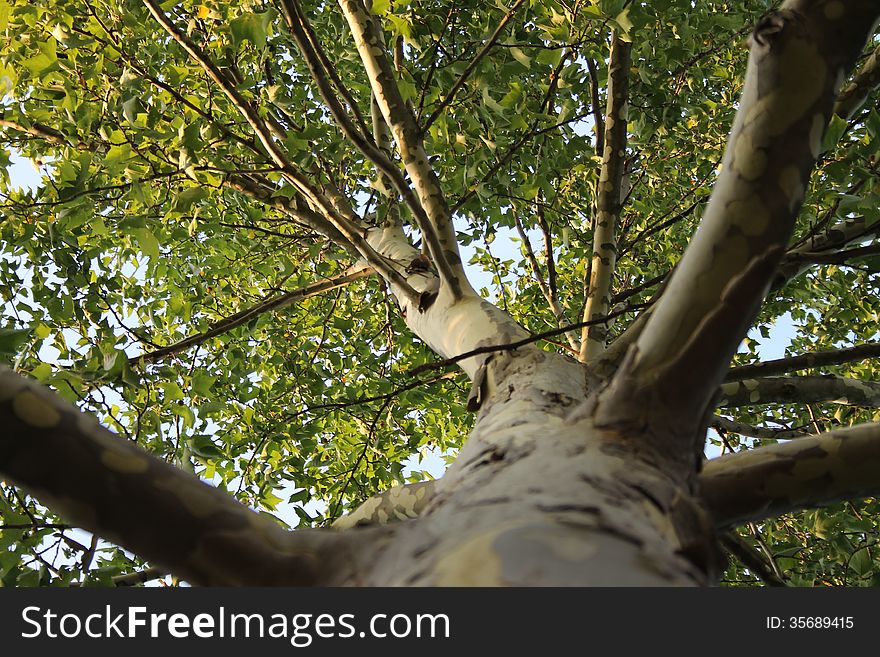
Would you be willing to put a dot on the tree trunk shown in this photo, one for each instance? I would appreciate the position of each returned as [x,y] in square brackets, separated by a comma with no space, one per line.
[541,496]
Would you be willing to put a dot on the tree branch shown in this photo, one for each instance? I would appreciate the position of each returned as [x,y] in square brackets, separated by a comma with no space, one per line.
[837,236]
[471,67]
[609,201]
[140,577]
[596,104]
[39,130]
[834,257]
[800,390]
[317,58]
[227,86]
[489,349]
[438,231]
[318,66]
[807,472]
[547,291]
[805,361]
[109,486]
[397,503]
[740,549]
[343,224]
[797,55]
[724,424]
[853,95]
[244,316]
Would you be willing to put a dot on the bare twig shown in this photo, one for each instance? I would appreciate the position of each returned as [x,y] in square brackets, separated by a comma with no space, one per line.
[472,65]
[244,316]
[805,361]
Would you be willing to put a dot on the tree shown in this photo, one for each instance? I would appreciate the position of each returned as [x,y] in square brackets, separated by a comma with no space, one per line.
[245,260]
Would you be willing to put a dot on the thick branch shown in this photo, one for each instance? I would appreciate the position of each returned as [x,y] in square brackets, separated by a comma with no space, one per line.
[609,201]
[344,224]
[854,94]
[797,55]
[408,137]
[807,472]
[805,361]
[835,257]
[800,390]
[398,503]
[835,237]
[109,486]
[509,346]
[244,316]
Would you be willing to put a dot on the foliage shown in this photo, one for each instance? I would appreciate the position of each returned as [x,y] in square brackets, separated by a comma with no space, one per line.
[136,239]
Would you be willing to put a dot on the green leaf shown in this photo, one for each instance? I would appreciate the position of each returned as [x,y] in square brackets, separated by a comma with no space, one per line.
[521,57]
[42,372]
[185,198]
[11,342]
[202,384]
[171,391]
[253,27]
[835,131]
[147,242]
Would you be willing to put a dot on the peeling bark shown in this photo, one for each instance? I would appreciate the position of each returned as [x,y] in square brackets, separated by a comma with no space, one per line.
[398,503]
[540,496]
[800,389]
[572,475]
[770,481]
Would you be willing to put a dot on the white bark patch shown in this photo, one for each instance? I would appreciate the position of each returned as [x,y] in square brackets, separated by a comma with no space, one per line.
[817,132]
[34,410]
[792,186]
[450,326]
[472,564]
[749,160]
[124,462]
[834,10]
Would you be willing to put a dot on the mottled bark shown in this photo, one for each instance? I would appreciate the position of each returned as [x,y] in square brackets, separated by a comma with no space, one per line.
[571,476]
[608,200]
[799,56]
[105,484]
[856,91]
[758,484]
[540,496]
[799,390]
[805,361]
[398,503]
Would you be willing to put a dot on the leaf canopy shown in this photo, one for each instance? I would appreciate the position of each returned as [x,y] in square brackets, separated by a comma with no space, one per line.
[142,232]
